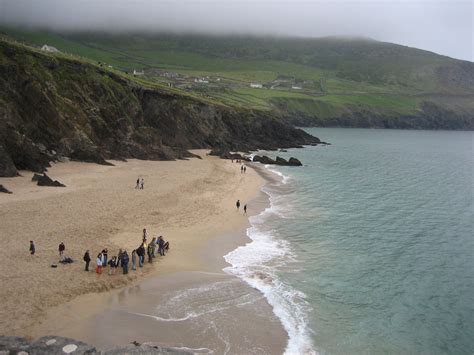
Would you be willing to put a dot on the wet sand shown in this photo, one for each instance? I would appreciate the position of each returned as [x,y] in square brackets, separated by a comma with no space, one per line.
[190,202]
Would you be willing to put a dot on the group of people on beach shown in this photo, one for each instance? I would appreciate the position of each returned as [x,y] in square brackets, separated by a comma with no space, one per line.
[157,246]
[237,204]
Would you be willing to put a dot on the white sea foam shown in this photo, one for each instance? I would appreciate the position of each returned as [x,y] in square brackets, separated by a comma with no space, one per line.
[257,263]
[284,178]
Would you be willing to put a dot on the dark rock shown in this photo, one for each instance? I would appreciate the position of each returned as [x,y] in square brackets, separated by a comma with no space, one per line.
[7,168]
[294,162]
[280,161]
[45,180]
[36,177]
[55,345]
[13,345]
[3,189]
[146,349]
[263,159]
[284,150]
[52,345]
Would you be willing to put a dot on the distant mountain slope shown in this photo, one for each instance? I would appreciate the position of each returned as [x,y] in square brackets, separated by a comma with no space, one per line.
[53,106]
[326,81]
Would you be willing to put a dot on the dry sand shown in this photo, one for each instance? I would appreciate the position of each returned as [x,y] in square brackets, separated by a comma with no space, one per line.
[189,202]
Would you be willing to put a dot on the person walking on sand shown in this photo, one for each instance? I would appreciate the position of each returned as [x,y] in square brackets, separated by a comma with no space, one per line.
[245,169]
[125,260]
[241,169]
[137,186]
[98,269]
[32,248]
[245,209]
[237,204]
[134,259]
[87,259]
[61,249]
[145,234]
[142,184]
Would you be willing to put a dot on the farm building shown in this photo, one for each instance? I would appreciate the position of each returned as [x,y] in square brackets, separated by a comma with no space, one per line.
[256,85]
[50,49]
[138,72]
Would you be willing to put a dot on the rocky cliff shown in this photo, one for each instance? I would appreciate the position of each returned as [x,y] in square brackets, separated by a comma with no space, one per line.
[54,106]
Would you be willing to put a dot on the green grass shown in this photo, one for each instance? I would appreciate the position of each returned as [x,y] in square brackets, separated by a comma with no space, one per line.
[339,75]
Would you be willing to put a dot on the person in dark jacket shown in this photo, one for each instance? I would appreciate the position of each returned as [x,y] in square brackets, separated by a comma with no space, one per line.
[161,245]
[141,255]
[32,248]
[87,259]
[61,249]
[105,254]
[124,261]
[113,263]
[134,259]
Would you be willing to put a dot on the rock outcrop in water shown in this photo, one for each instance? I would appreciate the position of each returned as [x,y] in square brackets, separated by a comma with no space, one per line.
[53,345]
[278,161]
[53,107]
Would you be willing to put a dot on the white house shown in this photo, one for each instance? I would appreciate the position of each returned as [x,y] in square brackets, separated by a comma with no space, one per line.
[256,85]
[138,72]
[50,49]
[201,81]
[296,87]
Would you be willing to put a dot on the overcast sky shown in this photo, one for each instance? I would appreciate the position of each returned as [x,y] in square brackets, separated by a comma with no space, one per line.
[441,26]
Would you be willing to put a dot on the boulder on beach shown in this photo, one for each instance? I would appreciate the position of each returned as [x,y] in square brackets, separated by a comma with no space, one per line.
[36,177]
[4,189]
[45,180]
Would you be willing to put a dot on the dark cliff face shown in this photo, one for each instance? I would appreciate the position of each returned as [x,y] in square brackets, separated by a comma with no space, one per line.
[52,107]
[430,116]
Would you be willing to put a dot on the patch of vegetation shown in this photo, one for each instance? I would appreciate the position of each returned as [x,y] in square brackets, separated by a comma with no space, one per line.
[323,78]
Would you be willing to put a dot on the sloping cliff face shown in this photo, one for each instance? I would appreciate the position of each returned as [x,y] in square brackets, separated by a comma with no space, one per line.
[53,107]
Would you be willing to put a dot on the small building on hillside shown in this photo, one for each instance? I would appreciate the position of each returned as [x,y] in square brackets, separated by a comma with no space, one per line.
[296,87]
[138,72]
[256,85]
[50,49]
[201,81]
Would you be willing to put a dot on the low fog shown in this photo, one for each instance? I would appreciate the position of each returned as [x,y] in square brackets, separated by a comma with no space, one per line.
[444,27]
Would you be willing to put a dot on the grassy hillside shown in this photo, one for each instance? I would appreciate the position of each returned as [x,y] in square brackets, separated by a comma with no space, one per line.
[326,81]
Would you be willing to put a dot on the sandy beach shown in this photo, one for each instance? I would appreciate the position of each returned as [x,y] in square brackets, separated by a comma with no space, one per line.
[191,203]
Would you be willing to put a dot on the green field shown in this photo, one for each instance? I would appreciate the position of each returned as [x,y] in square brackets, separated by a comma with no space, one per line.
[336,76]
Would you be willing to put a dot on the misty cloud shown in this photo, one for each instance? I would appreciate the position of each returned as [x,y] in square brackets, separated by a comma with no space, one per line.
[445,27]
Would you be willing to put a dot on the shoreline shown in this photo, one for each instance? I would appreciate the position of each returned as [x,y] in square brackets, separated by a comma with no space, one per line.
[222,242]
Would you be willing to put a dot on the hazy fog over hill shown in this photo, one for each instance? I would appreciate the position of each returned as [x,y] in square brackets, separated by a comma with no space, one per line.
[442,26]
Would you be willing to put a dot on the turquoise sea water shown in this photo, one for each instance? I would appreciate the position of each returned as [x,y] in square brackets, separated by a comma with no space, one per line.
[369,248]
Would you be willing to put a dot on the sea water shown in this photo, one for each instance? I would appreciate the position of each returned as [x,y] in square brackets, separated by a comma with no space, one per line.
[369,247]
